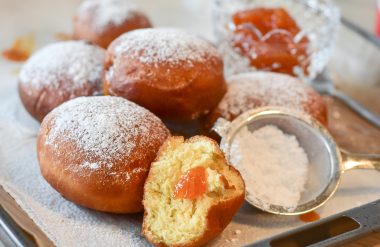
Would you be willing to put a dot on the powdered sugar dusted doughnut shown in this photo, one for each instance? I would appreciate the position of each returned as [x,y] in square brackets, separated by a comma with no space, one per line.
[96,151]
[251,90]
[170,72]
[101,21]
[59,72]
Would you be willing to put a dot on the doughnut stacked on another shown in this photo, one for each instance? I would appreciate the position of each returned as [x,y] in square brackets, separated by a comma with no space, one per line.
[59,72]
[258,89]
[102,21]
[97,151]
[174,74]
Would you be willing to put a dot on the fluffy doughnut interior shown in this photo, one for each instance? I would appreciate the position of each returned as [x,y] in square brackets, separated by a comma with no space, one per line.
[176,221]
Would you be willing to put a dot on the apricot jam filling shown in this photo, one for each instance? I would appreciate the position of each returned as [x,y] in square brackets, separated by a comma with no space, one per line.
[192,184]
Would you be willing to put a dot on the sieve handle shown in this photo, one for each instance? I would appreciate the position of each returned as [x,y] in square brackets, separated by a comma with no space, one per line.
[360,161]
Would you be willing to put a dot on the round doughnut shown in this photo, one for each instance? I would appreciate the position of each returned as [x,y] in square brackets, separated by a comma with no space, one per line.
[258,89]
[59,72]
[100,21]
[97,151]
[174,74]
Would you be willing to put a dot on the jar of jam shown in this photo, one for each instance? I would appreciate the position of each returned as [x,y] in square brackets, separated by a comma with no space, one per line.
[292,37]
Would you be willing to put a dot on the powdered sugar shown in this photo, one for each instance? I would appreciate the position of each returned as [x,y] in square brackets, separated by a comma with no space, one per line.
[88,165]
[104,128]
[273,164]
[74,62]
[251,90]
[107,12]
[165,45]
[129,175]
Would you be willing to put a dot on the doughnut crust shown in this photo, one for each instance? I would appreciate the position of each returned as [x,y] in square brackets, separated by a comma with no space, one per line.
[258,89]
[60,72]
[100,21]
[175,75]
[97,151]
[172,221]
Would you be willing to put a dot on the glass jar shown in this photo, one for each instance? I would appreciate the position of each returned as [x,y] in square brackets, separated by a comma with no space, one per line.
[317,21]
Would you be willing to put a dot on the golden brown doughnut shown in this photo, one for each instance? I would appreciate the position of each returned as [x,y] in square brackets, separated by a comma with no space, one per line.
[96,151]
[257,89]
[100,21]
[59,72]
[168,71]
[191,193]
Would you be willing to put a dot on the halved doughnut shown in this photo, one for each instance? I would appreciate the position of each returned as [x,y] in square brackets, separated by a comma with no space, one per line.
[191,193]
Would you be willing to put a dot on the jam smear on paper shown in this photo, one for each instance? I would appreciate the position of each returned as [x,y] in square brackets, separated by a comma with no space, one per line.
[21,49]
[310,217]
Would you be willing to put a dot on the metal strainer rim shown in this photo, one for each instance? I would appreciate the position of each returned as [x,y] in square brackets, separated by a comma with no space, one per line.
[249,116]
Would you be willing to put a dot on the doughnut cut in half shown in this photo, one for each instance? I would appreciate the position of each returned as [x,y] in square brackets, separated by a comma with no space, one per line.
[191,193]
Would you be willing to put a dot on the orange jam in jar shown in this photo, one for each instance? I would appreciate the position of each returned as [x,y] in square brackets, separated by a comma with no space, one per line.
[270,38]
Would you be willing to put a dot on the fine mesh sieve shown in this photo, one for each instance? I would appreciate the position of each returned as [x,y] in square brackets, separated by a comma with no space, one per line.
[326,161]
